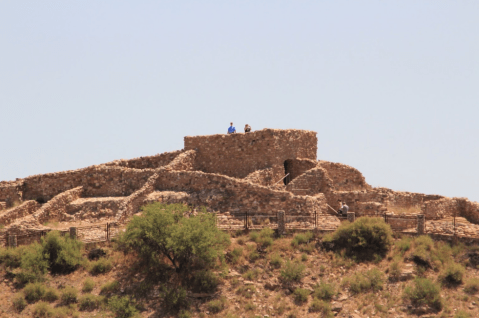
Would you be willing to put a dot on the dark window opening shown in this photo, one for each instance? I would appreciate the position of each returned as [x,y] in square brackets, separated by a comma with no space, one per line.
[288,169]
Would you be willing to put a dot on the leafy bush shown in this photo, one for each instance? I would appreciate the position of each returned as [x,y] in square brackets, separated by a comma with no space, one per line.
[424,292]
[395,270]
[371,280]
[175,299]
[42,310]
[253,256]
[19,303]
[403,245]
[322,307]
[88,285]
[235,255]
[324,291]
[89,302]
[110,287]
[217,305]
[276,261]
[301,238]
[462,314]
[62,252]
[292,272]
[50,295]
[184,314]
[11,256]
[304,257]
[122,307]
[34,292]
[365,239]
[246,291]
[472,286]
[162,232]
[204,281]
[301,295]
[100,266]
[34,266]
[452,274]
[69,295]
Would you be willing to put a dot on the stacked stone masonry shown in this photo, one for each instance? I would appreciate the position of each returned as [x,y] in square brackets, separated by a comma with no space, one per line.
[259,173]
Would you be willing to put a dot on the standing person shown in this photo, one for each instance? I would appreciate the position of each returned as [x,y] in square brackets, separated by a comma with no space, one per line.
[231,129]
[247,128]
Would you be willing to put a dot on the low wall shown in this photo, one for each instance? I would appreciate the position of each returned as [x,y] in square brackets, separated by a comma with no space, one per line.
[24,209]
[312,182]
[56,208]
[225,194]
[345,178]
[148,162]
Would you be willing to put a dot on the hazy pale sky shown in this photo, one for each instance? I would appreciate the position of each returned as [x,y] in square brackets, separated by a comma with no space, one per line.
[391,87]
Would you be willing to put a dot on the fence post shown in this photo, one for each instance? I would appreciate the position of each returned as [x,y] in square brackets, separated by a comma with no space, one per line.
[12,240]
[108,232]
[246,221]
[420,224]
[73,232]
[281,225]
[351,216]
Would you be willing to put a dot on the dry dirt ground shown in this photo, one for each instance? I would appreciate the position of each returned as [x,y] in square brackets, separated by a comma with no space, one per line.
[252,287]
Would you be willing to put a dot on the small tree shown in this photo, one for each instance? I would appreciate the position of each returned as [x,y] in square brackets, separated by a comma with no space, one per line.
[163,231]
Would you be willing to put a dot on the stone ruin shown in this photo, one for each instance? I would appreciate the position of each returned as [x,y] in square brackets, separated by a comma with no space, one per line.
[259,173]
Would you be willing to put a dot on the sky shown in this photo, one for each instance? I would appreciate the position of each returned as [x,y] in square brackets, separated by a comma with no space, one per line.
[391,87]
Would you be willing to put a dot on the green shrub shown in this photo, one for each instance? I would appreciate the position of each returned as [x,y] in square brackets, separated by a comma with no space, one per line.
[88,285]
[264,238]
[371,280]
[42,310]
[204,281]
[249,306]
[235,255]
[253,256]
[424,292]
[304,257]
[122,307]
[251,274]
[324,291]
[11,256]
[184,314]
[472,286]
[69,295]
[292,272]
[110,287]
[452,274]
[365,239]
[62,252]
[276,261]
[34,292]
[246,291]
[33,265]
[50,295]
[395,270]
[162,232]
[403,245]
[100,266]
[217,305]
[175,299]
[301,238]
[322,307]
[19,303]
[462,314]
[89,302]
[301,295]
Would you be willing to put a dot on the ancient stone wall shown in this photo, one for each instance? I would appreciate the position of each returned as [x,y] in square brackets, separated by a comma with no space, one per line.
[441,208]
[226,194]
[56,208]
[93,208]
[312,182]
[238,155]
[24,209]
[262,177]
[345,178]
[296,167]
[183,162]
[11,192]
[148,162]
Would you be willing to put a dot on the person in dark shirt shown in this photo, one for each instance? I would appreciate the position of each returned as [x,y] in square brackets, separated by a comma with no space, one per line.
[247,128]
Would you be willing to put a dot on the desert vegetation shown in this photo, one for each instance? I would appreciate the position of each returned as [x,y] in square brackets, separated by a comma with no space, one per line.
[170,262]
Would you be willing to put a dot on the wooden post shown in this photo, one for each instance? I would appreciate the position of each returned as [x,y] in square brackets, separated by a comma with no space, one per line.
[12,241]
[73,232]
[281,223]
[420,224]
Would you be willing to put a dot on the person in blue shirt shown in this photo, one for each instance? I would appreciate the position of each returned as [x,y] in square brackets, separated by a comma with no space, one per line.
[231,129]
